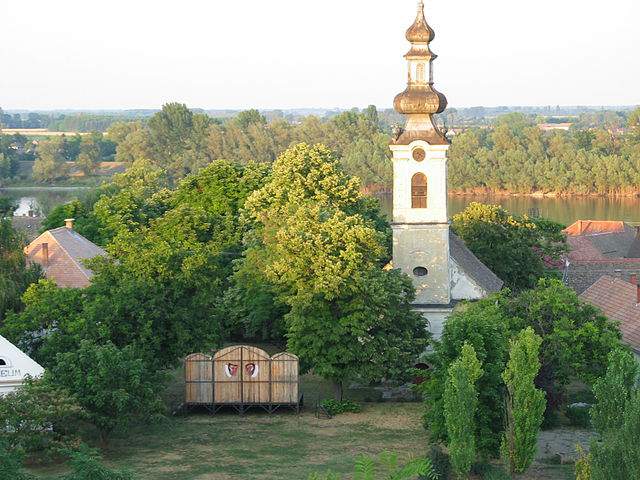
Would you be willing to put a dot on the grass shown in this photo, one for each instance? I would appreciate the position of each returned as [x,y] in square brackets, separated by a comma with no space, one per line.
[258,446]
[261,446]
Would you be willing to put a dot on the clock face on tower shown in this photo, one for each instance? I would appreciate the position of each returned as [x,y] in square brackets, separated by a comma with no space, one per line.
[419,154]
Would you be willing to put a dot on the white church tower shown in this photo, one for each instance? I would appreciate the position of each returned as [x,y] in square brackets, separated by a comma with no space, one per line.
[423,247]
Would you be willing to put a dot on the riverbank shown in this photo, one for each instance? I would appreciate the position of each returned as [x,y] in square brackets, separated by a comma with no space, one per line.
[505,193]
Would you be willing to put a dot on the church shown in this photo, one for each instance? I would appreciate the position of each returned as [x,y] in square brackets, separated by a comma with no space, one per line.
[444,271]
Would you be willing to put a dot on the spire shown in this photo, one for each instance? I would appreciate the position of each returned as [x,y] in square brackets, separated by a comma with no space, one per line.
[420,101]
[420,31]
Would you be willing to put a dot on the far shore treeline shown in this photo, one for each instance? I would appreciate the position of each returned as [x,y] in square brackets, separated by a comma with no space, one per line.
[598,155]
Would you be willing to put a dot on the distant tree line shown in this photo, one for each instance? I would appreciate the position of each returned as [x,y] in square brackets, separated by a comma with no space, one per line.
[516,156]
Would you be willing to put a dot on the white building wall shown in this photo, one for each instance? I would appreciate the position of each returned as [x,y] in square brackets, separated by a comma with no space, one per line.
[462,286]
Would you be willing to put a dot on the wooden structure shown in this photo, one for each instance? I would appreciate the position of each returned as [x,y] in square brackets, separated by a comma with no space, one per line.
[242,377]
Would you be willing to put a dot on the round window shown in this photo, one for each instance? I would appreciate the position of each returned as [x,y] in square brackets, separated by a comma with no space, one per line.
[420,272]
[419,154]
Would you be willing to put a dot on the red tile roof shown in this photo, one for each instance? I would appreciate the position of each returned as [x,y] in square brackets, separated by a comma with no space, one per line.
[593,227]
[67,250]
[618,300]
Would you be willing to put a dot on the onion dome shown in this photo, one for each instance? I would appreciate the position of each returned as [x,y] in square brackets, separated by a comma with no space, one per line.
[420,100]
[420,31]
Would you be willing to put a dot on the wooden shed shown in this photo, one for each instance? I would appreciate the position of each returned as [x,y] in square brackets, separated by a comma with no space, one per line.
[242,377]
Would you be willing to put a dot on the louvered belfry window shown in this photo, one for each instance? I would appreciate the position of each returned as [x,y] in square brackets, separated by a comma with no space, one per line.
[419,191]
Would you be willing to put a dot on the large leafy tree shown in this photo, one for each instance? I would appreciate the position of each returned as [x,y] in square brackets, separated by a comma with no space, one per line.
[514,248]
[113,385]
[483,326]
[316,239]
[576,340]
[50,323]
[15,274]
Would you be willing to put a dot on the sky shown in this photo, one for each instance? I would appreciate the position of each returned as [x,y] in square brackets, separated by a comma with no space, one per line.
[239,54]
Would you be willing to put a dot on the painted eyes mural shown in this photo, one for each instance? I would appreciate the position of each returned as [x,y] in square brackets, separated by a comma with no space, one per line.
[231,370]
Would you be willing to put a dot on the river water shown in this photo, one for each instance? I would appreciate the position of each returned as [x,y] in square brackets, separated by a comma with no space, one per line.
[565,210]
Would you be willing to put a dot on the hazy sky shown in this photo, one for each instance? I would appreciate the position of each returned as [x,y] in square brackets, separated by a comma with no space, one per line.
[301,53]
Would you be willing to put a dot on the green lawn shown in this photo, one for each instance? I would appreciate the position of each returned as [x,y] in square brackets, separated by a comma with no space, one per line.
[282,446]
[261,446]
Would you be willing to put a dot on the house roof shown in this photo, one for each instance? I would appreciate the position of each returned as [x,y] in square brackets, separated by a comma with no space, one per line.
[618,300]
[77,247]
[592,227]
[580,275]
[599,240]
[65,265]
[472,266]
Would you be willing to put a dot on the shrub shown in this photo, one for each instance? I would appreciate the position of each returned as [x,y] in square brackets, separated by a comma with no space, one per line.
[387,466]
[40,417]
[85,465]
[11,463]
[583,465]
[335,407]
[579,415]
[113,385]
[440,461]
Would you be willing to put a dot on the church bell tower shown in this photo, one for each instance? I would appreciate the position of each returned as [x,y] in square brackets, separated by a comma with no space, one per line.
[420,218]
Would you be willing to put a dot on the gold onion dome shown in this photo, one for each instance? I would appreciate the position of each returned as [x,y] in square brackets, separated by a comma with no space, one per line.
[420,100]
[420,31]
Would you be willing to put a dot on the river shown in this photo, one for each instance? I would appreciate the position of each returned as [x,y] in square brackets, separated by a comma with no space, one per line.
[565,210]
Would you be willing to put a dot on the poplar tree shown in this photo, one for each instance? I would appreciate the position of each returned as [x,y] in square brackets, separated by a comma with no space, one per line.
[460,402]
[525,404]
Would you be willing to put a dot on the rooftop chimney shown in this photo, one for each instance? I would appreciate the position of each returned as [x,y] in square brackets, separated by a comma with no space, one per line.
[634,281]
[68,222]
[45,254]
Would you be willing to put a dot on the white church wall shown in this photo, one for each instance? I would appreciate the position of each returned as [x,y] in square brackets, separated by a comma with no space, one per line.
[426,246]
[436,319]
[434,167]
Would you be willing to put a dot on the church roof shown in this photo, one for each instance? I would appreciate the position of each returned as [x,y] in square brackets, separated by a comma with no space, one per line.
[472,266]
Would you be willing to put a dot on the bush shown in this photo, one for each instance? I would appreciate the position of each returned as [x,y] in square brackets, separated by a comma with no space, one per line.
[335,407]
[85,465]
[386,466]
[39,417]
[579,415]
[11,463]
[440,461]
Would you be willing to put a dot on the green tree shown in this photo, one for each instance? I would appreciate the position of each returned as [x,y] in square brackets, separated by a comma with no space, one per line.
[15,274]
[39,418]
[132,200]
[318,241]
[482,325]
[614,390]
[11,463]
[525,404]
[50,323]
[513,248]
[86,223]
[49,164]
[617,454]
[576,337]
[460,403]
[112,384]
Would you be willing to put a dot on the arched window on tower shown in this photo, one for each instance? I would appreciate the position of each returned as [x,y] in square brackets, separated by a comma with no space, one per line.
[419,191]
[420,73]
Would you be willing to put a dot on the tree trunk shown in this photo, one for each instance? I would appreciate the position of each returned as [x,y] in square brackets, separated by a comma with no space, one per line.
[337,390]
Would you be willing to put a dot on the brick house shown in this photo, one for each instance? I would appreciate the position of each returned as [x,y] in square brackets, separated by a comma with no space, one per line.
[61,253]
